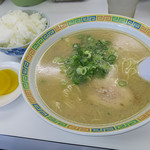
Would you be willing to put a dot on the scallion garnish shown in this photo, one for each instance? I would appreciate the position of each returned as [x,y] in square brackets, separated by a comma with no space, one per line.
[122,83]
[90,58]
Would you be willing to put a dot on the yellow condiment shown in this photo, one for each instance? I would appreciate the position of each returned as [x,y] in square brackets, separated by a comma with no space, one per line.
[8,81]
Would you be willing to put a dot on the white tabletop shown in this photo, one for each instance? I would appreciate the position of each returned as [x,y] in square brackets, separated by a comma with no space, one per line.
[18,119]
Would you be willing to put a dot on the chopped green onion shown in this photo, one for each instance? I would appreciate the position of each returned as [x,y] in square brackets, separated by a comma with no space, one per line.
[108,66]
[58,60]
[75,45]
[111,59]
[90,58]
[108,113]
[122,83]
[81,70]
[87,54]
[90,39]
[63,82]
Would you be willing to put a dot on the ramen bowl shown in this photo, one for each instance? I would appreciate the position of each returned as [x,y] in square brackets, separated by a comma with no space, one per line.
[40,45]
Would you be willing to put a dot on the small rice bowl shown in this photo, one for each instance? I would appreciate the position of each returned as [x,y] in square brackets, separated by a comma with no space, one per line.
[19,28]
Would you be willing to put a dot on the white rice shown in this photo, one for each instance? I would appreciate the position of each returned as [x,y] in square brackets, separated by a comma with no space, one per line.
[18,28]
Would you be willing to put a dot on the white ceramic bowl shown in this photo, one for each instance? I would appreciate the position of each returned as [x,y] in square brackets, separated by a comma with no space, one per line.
[48,37]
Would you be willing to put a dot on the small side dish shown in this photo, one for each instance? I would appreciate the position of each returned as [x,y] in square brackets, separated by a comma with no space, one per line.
[9,85]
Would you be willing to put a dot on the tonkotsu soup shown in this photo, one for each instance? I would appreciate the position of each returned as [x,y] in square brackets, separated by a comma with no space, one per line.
[91,77]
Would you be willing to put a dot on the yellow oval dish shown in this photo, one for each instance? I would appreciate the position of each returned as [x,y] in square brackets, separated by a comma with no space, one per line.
[9,85]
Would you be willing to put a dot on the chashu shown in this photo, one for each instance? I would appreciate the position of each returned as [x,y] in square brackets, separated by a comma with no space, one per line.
[107,92]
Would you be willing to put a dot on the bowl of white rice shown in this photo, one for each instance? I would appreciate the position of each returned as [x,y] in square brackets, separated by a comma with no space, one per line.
[18,28]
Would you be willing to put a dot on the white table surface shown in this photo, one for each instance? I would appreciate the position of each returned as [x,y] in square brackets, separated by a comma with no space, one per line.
[18,119]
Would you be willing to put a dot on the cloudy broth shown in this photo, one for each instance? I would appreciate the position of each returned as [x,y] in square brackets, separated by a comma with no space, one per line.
[99,101]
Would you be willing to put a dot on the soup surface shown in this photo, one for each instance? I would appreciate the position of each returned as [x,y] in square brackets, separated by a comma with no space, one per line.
[117,96]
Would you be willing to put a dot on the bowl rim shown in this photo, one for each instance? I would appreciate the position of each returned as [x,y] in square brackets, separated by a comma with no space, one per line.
[125,127]
[28,11]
